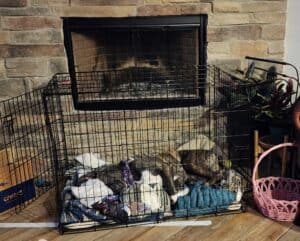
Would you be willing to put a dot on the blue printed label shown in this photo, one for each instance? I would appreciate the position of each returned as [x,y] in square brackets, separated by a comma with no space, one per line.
[16,195]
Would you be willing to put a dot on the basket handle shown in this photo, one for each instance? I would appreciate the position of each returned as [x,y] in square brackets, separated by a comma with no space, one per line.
[267,152]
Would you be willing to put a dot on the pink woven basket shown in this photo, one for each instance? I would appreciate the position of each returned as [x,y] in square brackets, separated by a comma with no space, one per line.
[276,197]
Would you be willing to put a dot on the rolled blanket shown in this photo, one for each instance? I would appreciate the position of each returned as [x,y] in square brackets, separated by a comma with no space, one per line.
[204,199]
[90,160]
[78,210]
[88,193]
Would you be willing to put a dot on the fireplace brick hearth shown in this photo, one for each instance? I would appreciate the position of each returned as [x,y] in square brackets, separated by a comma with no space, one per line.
[31,36]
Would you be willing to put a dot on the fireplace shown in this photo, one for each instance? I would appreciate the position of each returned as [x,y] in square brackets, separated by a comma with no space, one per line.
[118,63]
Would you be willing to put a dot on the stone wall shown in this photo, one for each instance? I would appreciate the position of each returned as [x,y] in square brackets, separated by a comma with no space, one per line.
[31,39]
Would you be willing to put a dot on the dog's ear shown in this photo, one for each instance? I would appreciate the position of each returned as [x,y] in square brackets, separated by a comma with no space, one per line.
[183,155]
[202,121]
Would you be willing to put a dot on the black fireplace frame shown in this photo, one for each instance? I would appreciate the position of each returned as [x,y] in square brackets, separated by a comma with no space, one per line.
[73,23]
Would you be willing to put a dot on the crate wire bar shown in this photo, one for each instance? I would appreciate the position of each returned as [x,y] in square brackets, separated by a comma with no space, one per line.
[26,153]
[122,167]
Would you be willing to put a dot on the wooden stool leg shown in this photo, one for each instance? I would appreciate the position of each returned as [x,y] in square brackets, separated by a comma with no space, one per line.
[284,158]
[257,149]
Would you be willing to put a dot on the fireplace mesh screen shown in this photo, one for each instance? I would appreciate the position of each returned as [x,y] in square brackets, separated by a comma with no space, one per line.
[121,167]
[136,86]
[129,63]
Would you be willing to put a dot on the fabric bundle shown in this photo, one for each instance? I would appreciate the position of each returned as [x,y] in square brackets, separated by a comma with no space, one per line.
[203,199]
[87,198]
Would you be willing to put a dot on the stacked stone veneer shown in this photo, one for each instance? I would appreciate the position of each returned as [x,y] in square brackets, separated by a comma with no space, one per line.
[31,38]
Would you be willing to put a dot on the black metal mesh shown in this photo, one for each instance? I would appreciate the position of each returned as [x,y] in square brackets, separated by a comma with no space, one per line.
[136,83]
[207,143]
[26,152]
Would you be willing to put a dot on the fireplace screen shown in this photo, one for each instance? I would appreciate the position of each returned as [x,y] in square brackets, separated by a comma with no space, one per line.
[132,62]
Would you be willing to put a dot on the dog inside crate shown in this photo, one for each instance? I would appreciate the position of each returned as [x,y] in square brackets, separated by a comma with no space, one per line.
[127,166]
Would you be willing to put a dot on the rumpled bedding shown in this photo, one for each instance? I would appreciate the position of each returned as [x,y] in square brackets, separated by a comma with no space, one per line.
[123,200]
[93,200]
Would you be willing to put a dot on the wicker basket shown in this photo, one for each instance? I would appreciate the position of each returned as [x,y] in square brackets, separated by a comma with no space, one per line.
[276,197]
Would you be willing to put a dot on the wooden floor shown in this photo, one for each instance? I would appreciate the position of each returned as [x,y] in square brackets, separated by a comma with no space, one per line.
[238,227]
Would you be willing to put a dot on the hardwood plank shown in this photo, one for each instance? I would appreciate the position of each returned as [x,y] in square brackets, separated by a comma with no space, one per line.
[291,235]
[9,233]
[51,235]
[26,234]
[198,233]
[90,235]
[266,229]
[235,228]
[246,226]
[158,233]
[124,234]
[108,234]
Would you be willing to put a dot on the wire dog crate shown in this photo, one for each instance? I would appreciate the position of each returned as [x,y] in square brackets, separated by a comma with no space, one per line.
[26,170]
[129,165]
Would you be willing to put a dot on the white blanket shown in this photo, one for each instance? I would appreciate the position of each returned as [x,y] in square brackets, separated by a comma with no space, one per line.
[90,160]
[94,190]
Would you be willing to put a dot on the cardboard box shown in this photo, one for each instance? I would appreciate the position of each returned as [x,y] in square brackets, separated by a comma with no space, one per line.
[16,177]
